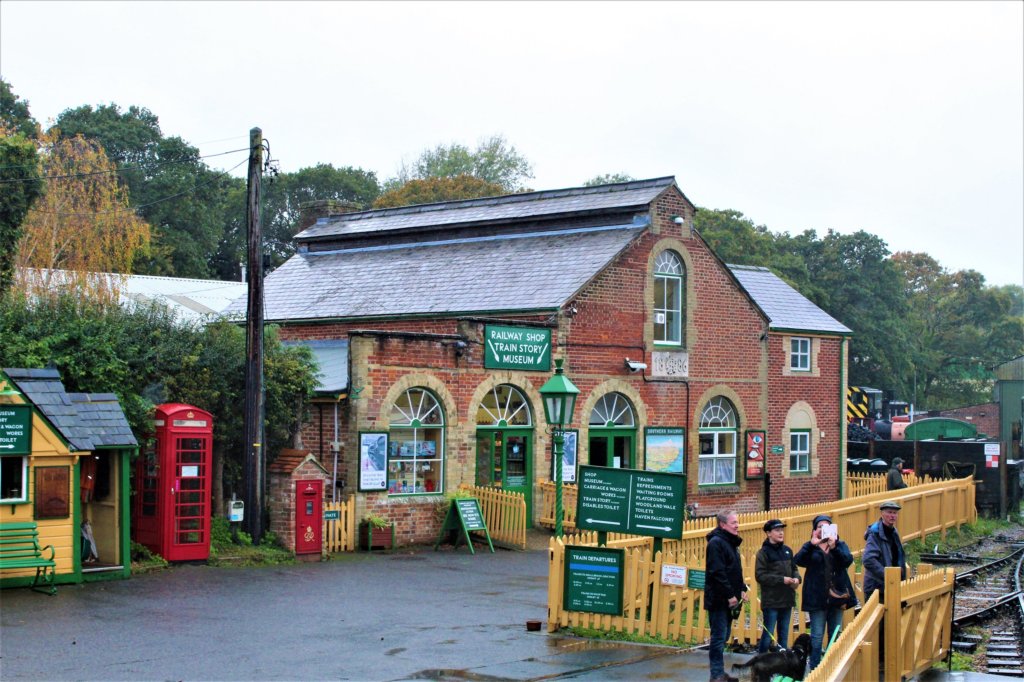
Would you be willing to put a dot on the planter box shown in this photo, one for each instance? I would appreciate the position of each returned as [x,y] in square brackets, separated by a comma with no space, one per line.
[371,537]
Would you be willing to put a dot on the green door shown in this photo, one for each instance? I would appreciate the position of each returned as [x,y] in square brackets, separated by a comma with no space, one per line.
[612,448]
[504,458]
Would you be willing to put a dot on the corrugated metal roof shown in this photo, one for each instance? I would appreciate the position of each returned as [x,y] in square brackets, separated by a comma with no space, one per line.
[785,307]
[507,208]
[331,357]
[86,421]
[499,273]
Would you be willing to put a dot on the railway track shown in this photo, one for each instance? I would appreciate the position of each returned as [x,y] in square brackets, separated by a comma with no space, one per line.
[989,600]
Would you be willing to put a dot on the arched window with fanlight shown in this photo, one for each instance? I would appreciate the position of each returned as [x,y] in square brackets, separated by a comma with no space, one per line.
[612,432]
[416,449]
[504,441]
[718,437]
[669,290]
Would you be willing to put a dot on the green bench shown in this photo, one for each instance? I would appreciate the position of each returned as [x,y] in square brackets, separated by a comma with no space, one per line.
[19,548]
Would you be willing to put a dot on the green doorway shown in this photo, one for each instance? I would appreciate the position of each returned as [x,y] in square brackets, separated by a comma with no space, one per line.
[612,439]
[504,443]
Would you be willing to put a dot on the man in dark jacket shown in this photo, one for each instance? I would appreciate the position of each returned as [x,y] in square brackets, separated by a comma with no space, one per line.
[894,481]
[724,589]
[827,589]
[882,548]
[778,578]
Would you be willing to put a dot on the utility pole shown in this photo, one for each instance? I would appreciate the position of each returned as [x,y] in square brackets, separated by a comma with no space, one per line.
[253,415]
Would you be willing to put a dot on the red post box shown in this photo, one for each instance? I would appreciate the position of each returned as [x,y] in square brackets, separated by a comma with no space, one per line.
[309,517]
[171,510]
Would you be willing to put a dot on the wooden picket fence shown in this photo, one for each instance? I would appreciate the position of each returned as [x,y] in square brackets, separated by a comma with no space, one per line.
[504,513]
[340,533]
[866,484]
[546,517]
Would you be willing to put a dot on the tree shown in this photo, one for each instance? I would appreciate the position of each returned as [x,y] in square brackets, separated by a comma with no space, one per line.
[493,161]
[173,189]
[431,190]
[83,223]
[285,194]
[608,179]
[15,118]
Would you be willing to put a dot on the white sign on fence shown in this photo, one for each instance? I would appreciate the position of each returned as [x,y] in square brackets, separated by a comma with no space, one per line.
[672,574]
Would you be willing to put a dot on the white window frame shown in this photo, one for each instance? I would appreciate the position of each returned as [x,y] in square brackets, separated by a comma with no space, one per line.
[668,274]
[800,354]
[800,451]
[416,411]
[719,429]
[24,482]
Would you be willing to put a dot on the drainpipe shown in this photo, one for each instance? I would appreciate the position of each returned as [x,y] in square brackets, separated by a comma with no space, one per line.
[844,354]
[335,446]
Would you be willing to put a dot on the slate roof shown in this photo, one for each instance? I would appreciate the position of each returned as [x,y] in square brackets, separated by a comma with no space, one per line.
[529,205]
[88,421]
[505,272]
[332,360]
[785,307]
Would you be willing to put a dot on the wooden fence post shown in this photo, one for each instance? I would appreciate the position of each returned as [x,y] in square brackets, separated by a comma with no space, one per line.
[893,613]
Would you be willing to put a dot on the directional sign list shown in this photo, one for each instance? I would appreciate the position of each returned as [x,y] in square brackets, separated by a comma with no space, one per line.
[630,501]
[15,429]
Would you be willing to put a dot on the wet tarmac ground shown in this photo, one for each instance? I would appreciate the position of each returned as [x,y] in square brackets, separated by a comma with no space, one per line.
[412,615]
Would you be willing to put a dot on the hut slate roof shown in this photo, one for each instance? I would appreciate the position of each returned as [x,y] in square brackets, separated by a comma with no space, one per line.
[88,421]
[786,308]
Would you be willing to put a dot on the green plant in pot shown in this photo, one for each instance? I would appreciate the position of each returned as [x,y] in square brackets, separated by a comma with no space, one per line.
[376,532]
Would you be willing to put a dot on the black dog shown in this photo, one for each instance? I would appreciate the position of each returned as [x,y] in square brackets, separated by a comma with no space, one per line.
[788,662]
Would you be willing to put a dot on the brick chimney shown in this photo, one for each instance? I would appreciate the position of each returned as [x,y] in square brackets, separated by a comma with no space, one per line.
[311,211]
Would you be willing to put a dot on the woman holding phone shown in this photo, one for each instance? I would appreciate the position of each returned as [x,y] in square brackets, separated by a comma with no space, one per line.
[827,590]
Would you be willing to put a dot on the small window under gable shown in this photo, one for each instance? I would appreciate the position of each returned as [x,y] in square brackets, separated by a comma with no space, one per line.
[669,280]
[800,354]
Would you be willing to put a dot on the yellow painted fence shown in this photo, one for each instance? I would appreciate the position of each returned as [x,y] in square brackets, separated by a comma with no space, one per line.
[504,513]
[340,533]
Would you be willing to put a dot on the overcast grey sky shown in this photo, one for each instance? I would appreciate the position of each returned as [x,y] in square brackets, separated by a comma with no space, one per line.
[902,119]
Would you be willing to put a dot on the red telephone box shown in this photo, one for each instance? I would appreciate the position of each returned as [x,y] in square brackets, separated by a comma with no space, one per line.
[171,511]
[309,517]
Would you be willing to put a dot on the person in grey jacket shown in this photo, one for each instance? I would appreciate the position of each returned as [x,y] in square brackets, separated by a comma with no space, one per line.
[882,548]
[778,578]
[894,480]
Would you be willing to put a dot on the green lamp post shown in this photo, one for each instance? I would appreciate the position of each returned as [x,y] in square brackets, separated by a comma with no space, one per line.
[559,402]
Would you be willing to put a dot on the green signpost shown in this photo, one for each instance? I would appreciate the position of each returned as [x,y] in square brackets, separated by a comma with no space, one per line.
[15,429]
[525,348]
[630,501]
[463,514]
[695,579]
[593,580]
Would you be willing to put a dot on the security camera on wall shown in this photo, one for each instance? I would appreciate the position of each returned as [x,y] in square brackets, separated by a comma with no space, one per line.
[635,365]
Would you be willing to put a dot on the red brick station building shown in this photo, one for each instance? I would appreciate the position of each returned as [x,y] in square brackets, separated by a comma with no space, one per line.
[435,325]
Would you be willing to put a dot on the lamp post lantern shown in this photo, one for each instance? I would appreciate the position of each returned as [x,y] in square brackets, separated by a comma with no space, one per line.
[559,402]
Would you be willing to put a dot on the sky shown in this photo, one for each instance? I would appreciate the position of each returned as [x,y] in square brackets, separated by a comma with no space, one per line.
[905,120]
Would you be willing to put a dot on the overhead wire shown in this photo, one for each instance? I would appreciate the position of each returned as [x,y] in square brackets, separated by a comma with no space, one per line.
[119,169]
[133,209]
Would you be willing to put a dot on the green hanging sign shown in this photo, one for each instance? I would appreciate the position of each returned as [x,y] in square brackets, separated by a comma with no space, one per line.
[15,429]
[525,348]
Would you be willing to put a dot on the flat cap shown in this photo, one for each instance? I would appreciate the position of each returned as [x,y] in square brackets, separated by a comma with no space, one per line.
[890,504]
[772,524]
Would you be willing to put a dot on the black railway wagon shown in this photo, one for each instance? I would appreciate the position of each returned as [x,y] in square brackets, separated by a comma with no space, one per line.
[942,459]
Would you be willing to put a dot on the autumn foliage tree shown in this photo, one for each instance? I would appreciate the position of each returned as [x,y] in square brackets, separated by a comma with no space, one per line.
[82,223]
[430,190]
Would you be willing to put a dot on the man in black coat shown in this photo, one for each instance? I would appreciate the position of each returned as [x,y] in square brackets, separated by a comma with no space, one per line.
[724,589]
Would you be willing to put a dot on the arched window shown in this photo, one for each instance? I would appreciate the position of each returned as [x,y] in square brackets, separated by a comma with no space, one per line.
[612,432]
[416,450]
[503,406]
[718,437]
[669,278]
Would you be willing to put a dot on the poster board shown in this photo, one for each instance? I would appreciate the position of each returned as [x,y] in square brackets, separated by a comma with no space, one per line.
[570,450]
[373,461]
[665,449]
[754,460]
[630,501]
[463,515]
